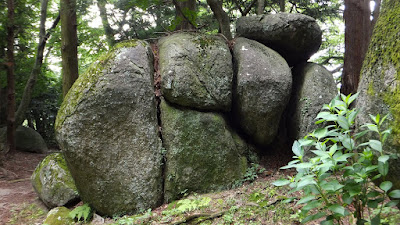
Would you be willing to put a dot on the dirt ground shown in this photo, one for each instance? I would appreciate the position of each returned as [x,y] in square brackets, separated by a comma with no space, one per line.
[16,189]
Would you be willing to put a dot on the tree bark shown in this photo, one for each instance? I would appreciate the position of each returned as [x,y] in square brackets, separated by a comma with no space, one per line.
[43,37]
[10,146]
[222,18]
[282,5]
[69,44]
[375,14]
[357,35]
[260,7]
[182,7]
[109,32]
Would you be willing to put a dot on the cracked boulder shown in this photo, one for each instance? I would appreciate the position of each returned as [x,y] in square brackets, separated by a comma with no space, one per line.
[263,87]
[202,153]
[295,36]
[107,129]
[196,71]
[307,98]
[53,182]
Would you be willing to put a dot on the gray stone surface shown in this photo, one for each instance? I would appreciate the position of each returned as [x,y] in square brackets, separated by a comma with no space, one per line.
[295,36]
[107,129]
[196,71]
[313,86]
[263,87]
[27,139]
[53,182]
[203,154]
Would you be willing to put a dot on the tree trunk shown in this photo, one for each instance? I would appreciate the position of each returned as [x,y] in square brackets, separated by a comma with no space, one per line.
[357,35]
[185,9]
[106,25]
[260,7]
[69,44]
[10,146]
[27,95]
[375,14]
[282,5]
[222,17]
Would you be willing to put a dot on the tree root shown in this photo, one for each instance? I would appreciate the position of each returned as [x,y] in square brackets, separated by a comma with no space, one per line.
[202,216]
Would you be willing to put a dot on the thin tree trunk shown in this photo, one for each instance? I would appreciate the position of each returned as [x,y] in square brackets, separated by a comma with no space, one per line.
[260,7]
[222,17]
[375,14]
[69,44]
[183,10]
[282,5]
[10,79]
[106,25]
[43,37]
[357,35]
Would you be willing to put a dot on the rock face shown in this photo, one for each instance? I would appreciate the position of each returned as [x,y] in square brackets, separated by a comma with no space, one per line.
[58,216]
[107,129]
[202,154]
[295,36]
[263,87]
[53,182]
[380,79]
[313,86]
[196,71]
[27,139]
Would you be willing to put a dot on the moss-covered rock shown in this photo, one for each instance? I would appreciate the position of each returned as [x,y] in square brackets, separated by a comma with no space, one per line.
[313,86]
[380,80]
[53,182]
[202,153]
[58,216]
[295,36]
[107,129]
[262,89]
[196,71]
[27,139]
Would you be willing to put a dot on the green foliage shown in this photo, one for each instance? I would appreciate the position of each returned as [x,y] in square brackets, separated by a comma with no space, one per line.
[337,178]
[136,219]
[186,205]
[83,212]
[251,174]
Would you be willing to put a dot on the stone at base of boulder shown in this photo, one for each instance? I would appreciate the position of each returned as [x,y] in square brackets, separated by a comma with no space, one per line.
[58,216]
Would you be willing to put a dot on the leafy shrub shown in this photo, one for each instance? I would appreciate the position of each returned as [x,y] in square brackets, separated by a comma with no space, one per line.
[83,212]
[337,178]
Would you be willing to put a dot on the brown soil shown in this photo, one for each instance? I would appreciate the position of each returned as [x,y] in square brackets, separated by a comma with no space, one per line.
[16,190]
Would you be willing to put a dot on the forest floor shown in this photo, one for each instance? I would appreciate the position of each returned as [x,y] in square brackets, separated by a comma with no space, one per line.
[16,192]
[251,203]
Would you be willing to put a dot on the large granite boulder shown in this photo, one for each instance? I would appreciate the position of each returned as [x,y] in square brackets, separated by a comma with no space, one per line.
[27,140]
[263,87]
[53,182]
[295,36]
[107,129]
[379,86]
[202,153]
[313,86]
[196,71]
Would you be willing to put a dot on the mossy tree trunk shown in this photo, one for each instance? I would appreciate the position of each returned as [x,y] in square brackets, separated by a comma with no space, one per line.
[185,14]
[69,44]
[222,18]
[106,25]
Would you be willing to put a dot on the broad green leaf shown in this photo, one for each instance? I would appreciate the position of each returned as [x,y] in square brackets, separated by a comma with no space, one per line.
[289,200]
[383,119]
[376,145]
[320,133]
[312,205]
[376,220]
[296,148]
[383,168]
[386,185]
[342,121]
[326,116]
[352,116]
[313,217]
[360,134]
[375,119]
[392,203]
[281,182]
[306,199]
[383,158]
[333,185]
[306,182]
[327,222]
[394,194]
[352,98]
[371,127]
[332,149]
[373,194]
[347,199]
[336,208]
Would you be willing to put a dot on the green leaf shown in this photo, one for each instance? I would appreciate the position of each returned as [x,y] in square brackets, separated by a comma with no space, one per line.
[336,208]
[332,149]
[352,116]
[320,133]
[296,149]
[383,168]
[376,220]
[313,217]
[394,194]
[386,185]
[371,127]
[327,222]
[333,185]
[342,121]
[281,182]
[352,98]
[383,158]
[326,116]
[306,199]
[376,145]
[375,119]
[360,134]
[311,205]
[392,203]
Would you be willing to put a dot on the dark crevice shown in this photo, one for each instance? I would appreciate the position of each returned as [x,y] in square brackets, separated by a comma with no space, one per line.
[157,92]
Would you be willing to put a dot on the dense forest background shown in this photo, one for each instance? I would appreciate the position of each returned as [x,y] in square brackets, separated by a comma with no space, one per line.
[34,42]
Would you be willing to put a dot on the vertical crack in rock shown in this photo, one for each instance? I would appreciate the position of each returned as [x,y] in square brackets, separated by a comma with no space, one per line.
[157,92]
